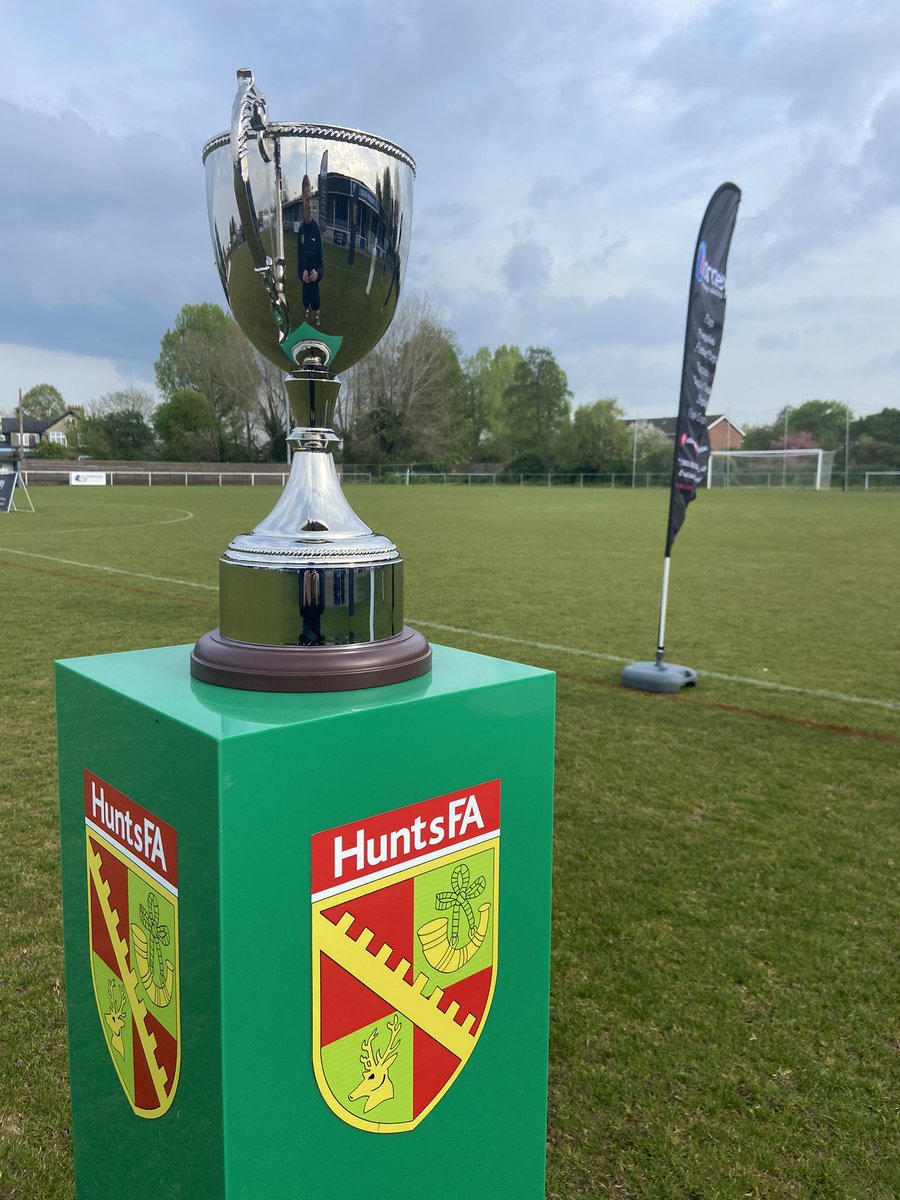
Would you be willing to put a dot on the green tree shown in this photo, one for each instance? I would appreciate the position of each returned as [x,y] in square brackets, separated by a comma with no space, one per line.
[651,450]
[875,441]
[405,402]
[883,426]
[187,427]
[272,411]
[488,376]
[127,434]
[868,453]
[43,401]
[760,437]
[47,449]
[196,325]
[119,433]
[535,407]
[126,399]
[206,352]
[597,441]
[824,420]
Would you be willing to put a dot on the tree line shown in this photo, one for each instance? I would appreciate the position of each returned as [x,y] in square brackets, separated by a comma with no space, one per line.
[415,399]
[873,441]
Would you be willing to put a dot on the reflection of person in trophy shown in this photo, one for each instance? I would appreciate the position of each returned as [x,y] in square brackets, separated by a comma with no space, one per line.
[354,224]
[310,260]
[312,606]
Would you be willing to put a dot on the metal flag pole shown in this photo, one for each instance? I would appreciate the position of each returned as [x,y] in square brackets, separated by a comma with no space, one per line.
[661,639]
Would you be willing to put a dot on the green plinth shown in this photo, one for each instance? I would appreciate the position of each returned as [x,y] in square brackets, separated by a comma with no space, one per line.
[307,937]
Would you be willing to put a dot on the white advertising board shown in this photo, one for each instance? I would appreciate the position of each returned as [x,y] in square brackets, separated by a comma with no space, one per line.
[88,478]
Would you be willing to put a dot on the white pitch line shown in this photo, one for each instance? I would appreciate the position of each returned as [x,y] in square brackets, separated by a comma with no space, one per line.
[572,651]
[188,516]
[767,684]
[70,562]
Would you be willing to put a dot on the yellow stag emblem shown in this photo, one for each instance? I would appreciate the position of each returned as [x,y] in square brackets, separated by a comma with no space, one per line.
[115,1018]
[376,1084]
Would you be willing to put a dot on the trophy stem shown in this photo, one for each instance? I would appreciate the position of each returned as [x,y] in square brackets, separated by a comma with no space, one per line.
[313,396]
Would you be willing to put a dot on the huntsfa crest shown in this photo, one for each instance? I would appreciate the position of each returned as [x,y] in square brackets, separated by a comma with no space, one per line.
[404,943]
[132,880]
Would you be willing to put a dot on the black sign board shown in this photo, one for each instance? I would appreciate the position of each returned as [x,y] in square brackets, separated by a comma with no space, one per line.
[7,487]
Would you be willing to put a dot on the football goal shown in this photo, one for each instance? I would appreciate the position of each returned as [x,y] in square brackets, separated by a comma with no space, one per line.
[770,468]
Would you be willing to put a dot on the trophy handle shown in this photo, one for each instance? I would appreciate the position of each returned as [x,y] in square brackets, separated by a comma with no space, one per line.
[248,123]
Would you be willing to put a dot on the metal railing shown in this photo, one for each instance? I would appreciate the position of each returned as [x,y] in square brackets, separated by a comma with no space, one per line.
[409,475]
[151,477]
[350,474]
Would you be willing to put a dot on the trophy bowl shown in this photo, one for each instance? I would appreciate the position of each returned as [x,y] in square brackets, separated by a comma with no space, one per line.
[310,226]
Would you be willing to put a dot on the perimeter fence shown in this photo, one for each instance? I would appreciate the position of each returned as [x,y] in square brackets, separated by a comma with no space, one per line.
[115,475]
[276,474]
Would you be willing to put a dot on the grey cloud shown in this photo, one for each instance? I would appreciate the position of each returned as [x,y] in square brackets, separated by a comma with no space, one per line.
[109,235]
[788,98]
[527,267]
[882,364]
[813,64]
[881,153]
[633,321]
[775,341]
[446,220]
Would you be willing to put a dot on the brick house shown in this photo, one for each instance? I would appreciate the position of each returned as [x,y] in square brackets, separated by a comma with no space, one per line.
[723,433]
[35,430]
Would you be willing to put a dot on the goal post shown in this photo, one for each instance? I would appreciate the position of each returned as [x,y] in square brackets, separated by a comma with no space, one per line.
[770,468]
[882,475]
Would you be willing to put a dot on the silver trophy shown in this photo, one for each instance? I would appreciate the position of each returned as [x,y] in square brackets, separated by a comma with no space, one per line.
[310,225]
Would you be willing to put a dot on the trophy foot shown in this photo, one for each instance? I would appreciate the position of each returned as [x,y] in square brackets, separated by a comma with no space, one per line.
[253,667]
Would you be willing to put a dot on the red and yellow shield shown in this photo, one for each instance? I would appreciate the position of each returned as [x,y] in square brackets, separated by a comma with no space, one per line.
[132,881]
[404,944]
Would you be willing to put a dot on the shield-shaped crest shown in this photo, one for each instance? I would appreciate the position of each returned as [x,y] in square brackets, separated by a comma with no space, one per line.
[404,944]
[132,883]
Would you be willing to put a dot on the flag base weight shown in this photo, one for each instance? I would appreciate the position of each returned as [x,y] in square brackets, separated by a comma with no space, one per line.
[658,677]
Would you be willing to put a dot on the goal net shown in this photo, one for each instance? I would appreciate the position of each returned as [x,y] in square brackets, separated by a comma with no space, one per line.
[770,468]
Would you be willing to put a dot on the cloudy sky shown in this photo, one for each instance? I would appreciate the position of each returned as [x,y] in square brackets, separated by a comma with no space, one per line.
[566,152]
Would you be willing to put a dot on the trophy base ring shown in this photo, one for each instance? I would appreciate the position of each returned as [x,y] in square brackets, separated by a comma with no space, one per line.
[252,667]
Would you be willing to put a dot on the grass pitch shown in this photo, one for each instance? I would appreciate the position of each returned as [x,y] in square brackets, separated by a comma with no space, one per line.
[726,919]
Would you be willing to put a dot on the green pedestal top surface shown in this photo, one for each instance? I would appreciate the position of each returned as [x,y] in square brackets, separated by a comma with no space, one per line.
[156,678]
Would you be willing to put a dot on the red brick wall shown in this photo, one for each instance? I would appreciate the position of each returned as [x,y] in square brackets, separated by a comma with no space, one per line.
[724,436]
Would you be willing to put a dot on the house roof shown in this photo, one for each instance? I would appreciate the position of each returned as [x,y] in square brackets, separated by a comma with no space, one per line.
[29,424]
[32,424]
[667,425]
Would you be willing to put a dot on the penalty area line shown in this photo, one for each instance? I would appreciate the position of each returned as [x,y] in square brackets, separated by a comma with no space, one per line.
[598,656]
[187,515]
